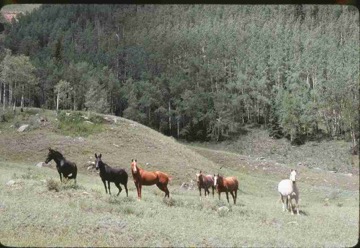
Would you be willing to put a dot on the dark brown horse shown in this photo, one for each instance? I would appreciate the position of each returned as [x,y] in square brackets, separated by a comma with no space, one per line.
[63,166]
[227,184]
[205,182]
[143,177]
[109,174]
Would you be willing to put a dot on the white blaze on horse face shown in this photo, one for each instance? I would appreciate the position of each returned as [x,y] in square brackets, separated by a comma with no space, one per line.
[293,175]
[215,180]
[197,177]
[133,167]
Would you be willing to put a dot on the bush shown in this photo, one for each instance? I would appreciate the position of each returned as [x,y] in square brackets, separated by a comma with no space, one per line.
[73,124]
[53,185]
[7,115]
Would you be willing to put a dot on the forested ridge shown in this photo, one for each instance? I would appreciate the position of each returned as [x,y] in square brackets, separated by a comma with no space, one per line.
[198,72]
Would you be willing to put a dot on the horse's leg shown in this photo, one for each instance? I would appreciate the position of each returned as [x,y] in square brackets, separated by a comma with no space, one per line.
[140,191]
[103,180]
[297,205]
[200,190]
[219,195]
[60,176]
[283,204]
[213,190]
[227,196]
[163,187]
[137,190]
[119,187]
[233,196]
[208,191]
[291,205]
[126,189]
[166,190]
[109,187]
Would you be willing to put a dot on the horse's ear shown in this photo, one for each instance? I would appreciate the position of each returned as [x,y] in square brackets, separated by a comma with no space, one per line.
[100,155]
[135,160]
[200,171]
[50,149]
[95,155]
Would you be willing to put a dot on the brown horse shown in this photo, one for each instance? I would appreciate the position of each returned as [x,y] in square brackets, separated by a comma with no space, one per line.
[143,177]
[205,182]
[228,184]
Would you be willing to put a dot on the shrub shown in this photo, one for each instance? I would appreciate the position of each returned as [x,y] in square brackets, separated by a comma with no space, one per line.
[169,201]
[6,115]
[53,185]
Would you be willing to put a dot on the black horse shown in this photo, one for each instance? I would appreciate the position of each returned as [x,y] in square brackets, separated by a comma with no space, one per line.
[63,166]
[109,174]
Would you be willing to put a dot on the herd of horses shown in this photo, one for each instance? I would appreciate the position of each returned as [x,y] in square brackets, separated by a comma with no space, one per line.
[287,188]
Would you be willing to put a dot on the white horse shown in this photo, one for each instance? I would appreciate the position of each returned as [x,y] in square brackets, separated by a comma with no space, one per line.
[288,190]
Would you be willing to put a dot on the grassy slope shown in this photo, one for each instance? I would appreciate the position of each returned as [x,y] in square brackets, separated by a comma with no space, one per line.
[84,216]
[20,7]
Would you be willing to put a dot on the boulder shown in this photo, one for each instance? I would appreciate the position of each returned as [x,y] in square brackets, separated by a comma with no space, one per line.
[222,211]
[10,183]
[22,128]
[40,164]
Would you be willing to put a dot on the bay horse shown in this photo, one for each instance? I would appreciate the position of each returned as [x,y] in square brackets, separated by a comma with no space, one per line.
[227,184]
[143,177]
[205,182]
[109,174]
[288,191]
[63,166]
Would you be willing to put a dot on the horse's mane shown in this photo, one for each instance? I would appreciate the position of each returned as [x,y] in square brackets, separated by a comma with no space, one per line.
[58,154]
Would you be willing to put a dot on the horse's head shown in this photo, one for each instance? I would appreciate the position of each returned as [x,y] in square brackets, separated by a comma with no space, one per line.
[51,155]
[134,167]
[198,177]
[98,159]
[216,179]
[293,175]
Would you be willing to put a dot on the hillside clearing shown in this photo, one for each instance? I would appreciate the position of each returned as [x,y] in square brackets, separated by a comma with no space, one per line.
[84,215]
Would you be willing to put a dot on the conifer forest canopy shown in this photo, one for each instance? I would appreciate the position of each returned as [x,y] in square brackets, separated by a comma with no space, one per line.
[196,72]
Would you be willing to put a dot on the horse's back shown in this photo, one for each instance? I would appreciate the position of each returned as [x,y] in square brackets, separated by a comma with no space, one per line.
[115,175]
[285,187]
[148,177]
[232,183]
[163,177]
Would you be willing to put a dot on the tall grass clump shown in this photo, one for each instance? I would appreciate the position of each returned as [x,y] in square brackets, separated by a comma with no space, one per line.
[51,184]
[75,124]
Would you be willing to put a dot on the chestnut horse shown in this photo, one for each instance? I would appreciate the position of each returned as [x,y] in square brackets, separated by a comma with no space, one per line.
[205,182]
[143,177]
[227,184]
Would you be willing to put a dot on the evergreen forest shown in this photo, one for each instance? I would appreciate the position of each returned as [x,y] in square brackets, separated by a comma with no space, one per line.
[194,72]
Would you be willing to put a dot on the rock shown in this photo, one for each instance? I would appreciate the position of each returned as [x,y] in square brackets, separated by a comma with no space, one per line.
[40,164]
[115,145]
[184,186]
[261,158]
[22,128]
[89,122]
[10,183]
[223,210]
[81,139]
[348,174]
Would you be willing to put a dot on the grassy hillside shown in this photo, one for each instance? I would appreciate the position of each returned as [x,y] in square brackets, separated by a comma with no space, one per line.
[32,213]
[19,7]
[119,142]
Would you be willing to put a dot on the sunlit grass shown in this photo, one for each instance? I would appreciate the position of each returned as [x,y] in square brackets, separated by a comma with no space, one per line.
[86,216]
